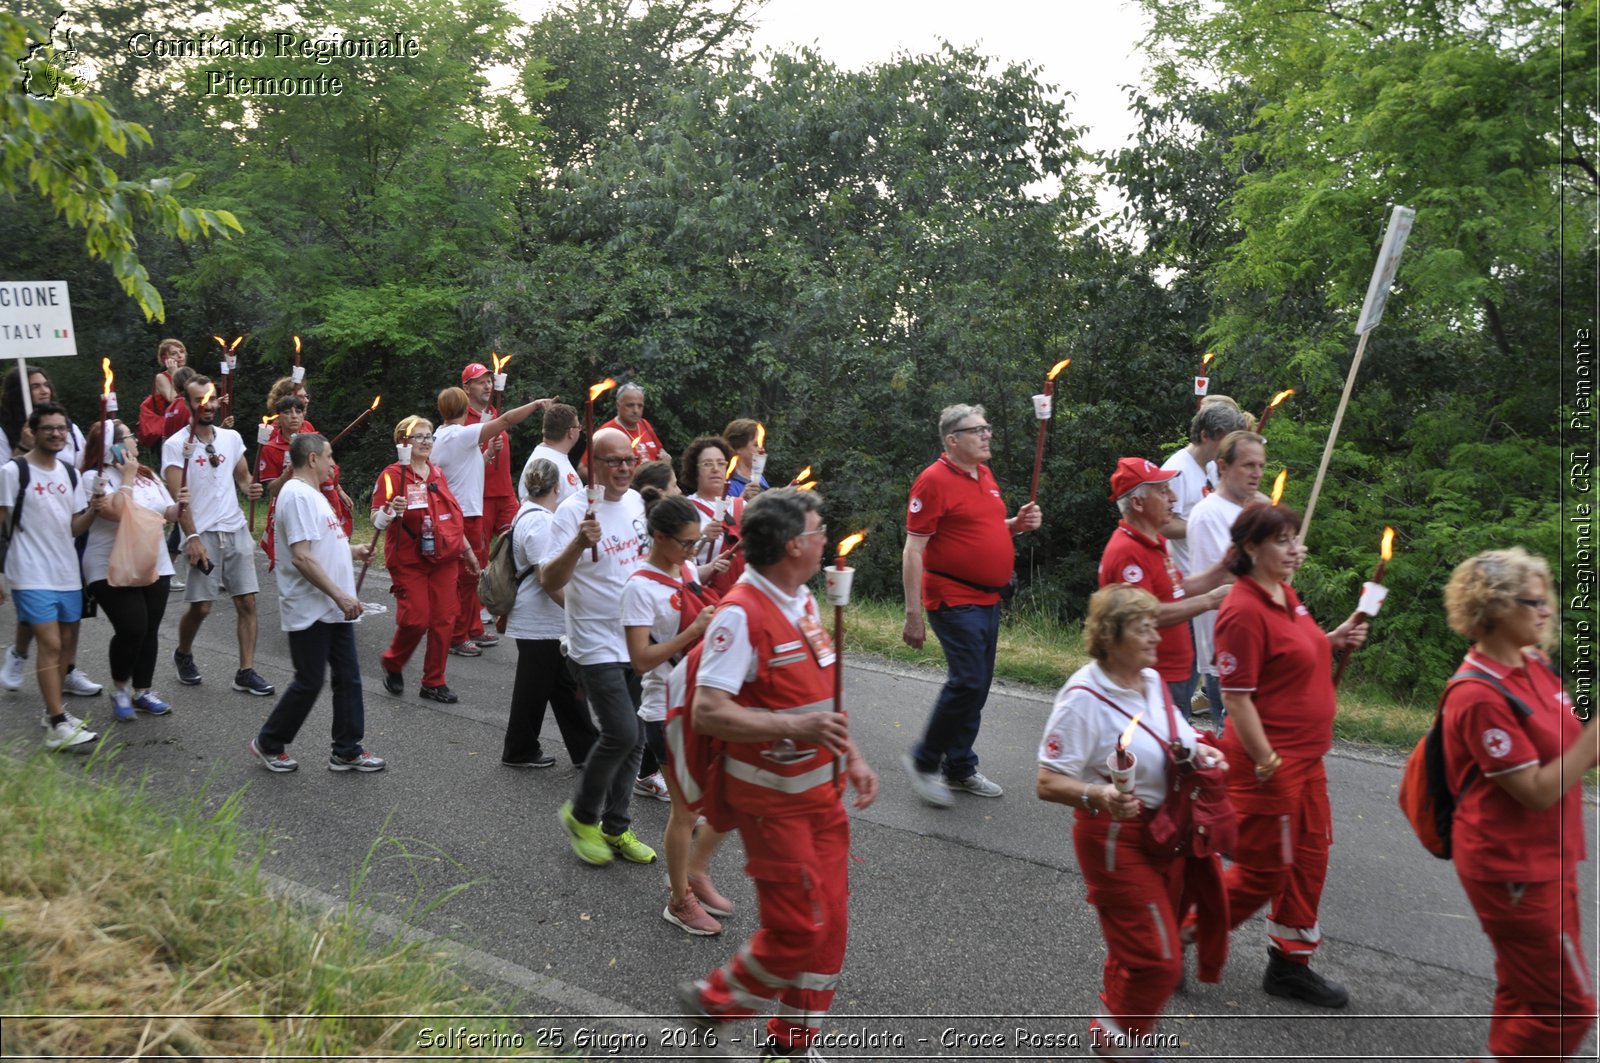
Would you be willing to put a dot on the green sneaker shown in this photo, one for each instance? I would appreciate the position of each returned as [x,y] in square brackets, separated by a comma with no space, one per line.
[628,846]
[586,839]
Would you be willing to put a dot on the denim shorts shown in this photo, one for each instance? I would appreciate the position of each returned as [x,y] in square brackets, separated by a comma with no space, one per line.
[48,607]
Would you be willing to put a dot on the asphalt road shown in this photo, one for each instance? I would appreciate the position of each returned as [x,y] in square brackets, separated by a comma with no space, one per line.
[971,936]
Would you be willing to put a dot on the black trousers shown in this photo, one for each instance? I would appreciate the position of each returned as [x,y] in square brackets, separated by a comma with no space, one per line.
[544,679]
[135,614]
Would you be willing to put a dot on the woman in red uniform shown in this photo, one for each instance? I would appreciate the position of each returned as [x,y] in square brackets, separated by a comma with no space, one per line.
[1135,894]
[1274,665]
[1516,754]
[272,461]
[422,567]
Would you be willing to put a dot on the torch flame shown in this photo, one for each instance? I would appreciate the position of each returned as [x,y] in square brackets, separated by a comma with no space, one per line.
[806,487]
[1207,359]
[1277,485]
[499,362]
[388,488]
[220,341]
[1055,370]
[105,367]
[375,400]
[802,476]
[733,463]
[850,542]
[1279,397]
[761,436]
[232,346]
[211,393]
[595,391]
[269,419]
[1386,551]
[1127,733]
[297,345]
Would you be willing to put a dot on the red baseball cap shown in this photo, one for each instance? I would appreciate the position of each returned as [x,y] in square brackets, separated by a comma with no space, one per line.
[473,371]
[1134,472]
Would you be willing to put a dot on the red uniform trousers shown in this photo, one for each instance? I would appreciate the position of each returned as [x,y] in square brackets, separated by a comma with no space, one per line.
[425,603]
[1285,831]
[468,622]
[800,865]
[1544,1000]
[498,513]
[1136,897]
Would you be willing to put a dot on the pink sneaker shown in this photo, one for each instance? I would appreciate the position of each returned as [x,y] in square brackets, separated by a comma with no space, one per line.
[687,915]
[700,887]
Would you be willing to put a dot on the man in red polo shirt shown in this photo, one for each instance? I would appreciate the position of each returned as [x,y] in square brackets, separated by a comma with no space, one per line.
[630,419]
[958,558]
[1137,554]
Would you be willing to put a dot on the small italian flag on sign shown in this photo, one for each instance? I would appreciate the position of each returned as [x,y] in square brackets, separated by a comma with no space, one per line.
[61,333]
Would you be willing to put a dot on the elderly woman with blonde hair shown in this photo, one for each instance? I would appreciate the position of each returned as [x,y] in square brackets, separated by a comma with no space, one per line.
[1137,895]
[1515,755]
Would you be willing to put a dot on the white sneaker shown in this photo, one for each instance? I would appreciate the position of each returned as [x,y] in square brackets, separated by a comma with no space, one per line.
[14,671]
[68,734]
[75,682]
[652,786]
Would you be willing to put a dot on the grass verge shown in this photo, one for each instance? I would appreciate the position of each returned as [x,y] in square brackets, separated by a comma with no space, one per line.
[1039,649]
[128,931]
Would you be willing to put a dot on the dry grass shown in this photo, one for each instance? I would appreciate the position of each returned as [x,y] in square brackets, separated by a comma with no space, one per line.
[128,932]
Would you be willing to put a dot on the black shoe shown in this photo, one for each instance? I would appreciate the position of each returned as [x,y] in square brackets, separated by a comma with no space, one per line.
[1297,981]
[246,681]
[541,760]
[394,683]
[188,674]
[441,693]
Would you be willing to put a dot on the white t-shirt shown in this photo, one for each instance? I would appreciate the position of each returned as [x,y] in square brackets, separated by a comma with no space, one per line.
[535,615]
[570,484]
[729,662]
[594,594]
[455,451]
[1210,534]
[1082,732]
[72,453]
[304,515]
[648,603]
[151,494]
[1190,487]
[213,495]
[43,557]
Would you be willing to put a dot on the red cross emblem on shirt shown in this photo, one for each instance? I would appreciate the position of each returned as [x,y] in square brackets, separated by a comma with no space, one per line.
[201,461]
[38,488]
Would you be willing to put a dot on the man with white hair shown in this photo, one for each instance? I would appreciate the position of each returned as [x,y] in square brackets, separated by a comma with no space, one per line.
[1137,555]
[958,560]
[630,421]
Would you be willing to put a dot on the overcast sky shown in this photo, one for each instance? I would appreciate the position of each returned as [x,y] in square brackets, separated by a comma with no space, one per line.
[1086,49]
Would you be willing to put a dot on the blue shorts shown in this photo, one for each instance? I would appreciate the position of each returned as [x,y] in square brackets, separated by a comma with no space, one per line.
[48,607]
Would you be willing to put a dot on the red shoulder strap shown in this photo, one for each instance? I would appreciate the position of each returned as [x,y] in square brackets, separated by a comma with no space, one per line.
[659,577]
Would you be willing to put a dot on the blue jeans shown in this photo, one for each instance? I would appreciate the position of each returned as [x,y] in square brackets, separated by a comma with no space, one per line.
[1214,692]
[969,635]
[314,651]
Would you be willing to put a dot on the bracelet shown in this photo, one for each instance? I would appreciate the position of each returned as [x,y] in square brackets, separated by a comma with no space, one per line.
[1087,803]
[1270,766]
[191,538]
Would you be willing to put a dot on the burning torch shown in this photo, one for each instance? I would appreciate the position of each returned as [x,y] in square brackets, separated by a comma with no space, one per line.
[353,425]
[837,582]
[1373,592]
[1120,762]
[1041,410]
[1277,400]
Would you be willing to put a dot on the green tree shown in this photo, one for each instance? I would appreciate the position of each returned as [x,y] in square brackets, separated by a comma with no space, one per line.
[54,143]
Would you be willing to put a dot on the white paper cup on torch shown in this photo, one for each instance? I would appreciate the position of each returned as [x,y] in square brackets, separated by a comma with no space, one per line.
[298,374]
[837,582]
[402,451]
[722,507]
[1372,596]
[1121,778]
[597,494]
[758,467]
[111,402]
[499,381]
[263,433]
[226,366]
[1041,406]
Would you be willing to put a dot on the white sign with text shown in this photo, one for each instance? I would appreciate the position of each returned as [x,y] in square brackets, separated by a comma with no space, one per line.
[36,320]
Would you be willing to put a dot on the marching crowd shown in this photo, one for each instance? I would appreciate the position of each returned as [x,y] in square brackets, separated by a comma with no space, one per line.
[662,613]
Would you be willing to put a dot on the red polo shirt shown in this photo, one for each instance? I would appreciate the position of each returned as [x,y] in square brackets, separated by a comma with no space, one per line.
[1133,557]
[964,521]
[1279,655]
[1496,838]
[648,446]
[496,473]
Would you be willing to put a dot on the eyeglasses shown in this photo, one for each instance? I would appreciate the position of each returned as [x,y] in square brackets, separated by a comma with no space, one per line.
[981,429]
[689,545]
[619,463]
[51,429]
[420,439]
[821,529]
[212,456]
[1533,603]
[717,464]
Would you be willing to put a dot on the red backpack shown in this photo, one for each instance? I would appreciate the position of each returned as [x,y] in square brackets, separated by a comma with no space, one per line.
[695,760]
[152,420]
[1425,796]
[449,527]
